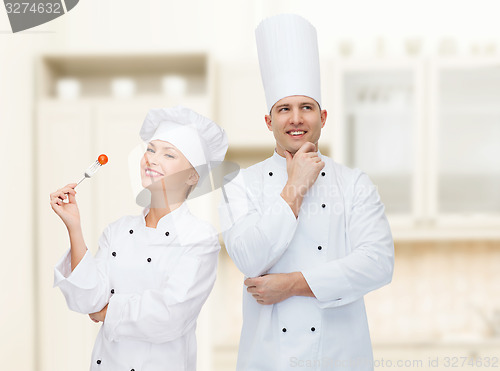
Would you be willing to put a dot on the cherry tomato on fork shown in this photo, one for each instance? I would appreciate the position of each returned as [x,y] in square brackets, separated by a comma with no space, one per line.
[102,159]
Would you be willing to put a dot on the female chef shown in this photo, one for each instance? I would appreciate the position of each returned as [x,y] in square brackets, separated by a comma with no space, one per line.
[152,272]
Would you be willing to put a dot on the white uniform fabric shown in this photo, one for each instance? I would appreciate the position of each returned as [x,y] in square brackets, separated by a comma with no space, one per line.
[341,242]
[155,280]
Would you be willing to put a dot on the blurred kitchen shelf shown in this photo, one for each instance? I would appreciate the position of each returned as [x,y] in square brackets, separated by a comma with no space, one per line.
[94,73]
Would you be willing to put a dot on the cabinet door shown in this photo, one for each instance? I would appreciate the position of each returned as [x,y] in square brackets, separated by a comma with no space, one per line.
[467,125]
[380,126]
[64,152]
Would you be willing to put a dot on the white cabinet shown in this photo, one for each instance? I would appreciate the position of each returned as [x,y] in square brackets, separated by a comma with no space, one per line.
[379,119]
[428,134]
[72,130]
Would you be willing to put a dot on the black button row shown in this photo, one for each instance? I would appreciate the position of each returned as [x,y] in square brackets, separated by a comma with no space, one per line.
[322,173]
[132,231]
[114,254]
[99,362]
[312,329]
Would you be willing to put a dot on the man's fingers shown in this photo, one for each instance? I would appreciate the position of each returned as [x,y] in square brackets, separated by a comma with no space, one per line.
[251,281]
[307,147]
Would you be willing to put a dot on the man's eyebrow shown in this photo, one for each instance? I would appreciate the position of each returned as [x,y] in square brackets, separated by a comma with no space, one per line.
[282,105]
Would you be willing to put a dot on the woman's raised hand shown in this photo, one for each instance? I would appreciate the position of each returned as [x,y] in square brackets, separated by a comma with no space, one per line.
[68,212]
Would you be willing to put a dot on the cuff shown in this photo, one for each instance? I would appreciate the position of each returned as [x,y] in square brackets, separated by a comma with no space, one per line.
[332,287]
[83,276]
[279,221]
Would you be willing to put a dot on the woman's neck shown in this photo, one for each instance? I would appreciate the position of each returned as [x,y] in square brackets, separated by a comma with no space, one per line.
[162,205]
[156,213]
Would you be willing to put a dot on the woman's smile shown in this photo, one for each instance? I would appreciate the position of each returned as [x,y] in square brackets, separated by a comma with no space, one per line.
[152,173]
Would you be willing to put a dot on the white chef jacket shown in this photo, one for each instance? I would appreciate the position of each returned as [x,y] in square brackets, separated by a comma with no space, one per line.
[342,244]
[155,281]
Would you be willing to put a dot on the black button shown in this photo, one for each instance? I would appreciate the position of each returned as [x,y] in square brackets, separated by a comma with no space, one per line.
[131,231]
[320,247]
[113,253]
[284,329]
[323,173]
[167,233]
[132,370]
[149,260]
[112,291]
[98,361]
[270,173]
[313,329]
[323,206]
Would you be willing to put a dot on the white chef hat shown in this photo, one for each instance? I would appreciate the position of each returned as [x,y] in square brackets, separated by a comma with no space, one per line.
[288,56]
[201,141]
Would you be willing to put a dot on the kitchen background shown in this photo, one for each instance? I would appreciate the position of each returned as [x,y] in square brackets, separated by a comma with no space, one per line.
[412,90]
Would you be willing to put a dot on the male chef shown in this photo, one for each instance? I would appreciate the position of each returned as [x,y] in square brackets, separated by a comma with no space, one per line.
[309,234]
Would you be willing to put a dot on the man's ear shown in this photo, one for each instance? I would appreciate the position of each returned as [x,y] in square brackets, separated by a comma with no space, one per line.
[323,117]
[268,122]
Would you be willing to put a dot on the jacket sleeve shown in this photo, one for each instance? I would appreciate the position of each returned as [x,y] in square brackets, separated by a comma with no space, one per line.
[167,313]
[86,288]
[255,236]
[370,263]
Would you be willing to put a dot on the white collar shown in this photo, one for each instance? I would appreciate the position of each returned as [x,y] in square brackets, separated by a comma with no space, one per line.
[171,217]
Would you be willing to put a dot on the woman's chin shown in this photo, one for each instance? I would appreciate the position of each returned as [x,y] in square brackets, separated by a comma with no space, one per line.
[148,182]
